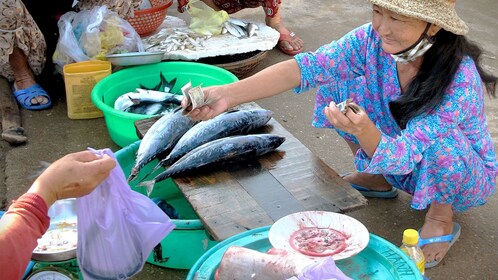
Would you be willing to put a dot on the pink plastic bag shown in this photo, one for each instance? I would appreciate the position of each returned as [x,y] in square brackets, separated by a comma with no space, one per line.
[117,228]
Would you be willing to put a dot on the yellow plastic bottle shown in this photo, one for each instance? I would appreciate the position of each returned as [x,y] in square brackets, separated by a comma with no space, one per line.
[411,248]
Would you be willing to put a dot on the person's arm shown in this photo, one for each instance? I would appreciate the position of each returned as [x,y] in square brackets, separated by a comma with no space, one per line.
[268,82]
[26,221]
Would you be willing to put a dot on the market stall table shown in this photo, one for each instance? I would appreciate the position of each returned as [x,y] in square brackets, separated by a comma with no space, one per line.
[257,193]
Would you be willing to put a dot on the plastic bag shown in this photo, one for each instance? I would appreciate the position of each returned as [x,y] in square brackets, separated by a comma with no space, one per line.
[205,20]
[324,269]
[117,228]
[92,34]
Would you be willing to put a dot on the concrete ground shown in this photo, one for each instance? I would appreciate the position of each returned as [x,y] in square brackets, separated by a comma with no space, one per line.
[52,134]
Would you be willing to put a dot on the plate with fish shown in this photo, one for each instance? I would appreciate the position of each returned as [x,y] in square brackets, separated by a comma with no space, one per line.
[318,234]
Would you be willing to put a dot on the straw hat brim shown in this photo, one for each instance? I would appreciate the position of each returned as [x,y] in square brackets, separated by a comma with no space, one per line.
[438,12]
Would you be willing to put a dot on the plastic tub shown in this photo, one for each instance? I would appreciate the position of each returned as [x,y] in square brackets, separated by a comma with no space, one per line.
[189,240]
[79,79]
[121,124]
[379,260]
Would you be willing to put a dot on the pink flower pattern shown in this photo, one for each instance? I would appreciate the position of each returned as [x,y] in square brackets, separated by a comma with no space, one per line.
[444,155]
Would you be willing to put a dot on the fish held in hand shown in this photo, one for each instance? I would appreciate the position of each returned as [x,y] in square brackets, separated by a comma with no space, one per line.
[221,151]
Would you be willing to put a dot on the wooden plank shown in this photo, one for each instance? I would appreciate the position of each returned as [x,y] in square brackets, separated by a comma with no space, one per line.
[12,130]
[257,193]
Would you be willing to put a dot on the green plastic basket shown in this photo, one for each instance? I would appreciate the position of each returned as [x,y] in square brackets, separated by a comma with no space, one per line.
[120,125]
[189,240]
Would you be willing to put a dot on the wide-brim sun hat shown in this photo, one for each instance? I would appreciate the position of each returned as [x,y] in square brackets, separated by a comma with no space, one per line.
[439,12]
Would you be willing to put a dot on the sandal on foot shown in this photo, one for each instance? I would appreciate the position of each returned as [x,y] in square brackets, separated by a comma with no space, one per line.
[24,97]
[392,193]
[450,238]
[288,37]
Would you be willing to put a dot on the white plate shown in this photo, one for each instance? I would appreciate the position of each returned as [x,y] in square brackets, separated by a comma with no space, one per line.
[355,233]
[135,58]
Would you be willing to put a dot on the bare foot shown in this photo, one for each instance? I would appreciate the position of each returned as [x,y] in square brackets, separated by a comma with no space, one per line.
[375,182]
[438,222]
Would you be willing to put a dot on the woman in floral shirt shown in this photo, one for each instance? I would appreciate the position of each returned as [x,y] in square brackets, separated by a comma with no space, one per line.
[421,125]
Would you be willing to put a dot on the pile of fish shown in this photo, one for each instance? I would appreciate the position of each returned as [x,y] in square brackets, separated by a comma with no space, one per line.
[239,28]
[150,101]
[169,40]
[186,146]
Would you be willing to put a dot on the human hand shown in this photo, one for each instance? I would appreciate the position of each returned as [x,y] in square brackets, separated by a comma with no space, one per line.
[216,103]
[355,122]
[74,175]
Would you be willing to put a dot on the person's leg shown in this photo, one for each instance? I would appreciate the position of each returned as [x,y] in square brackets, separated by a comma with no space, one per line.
[289,42]
[23,75]
[375,182]
[438,222]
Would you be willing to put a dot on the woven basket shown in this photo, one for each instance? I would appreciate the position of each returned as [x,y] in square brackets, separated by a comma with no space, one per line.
[147,21]
[241,65]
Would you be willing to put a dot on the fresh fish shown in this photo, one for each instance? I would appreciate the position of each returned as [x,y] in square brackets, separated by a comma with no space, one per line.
[221,151]
[163,85]
[251,29]
[156,108]
[234,122]
[234,29]
[161,138]
[130,99]
[238,22]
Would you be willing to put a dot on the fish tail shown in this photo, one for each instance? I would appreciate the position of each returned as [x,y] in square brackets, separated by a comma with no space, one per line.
[149,186]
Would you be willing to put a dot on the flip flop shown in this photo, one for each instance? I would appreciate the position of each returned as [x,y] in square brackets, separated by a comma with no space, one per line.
[392,193]
[288,37]
[450,238]
[24,96]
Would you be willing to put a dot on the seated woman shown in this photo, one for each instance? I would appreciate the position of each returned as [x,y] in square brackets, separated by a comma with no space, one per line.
[23,48]
[420,126]
[289,42]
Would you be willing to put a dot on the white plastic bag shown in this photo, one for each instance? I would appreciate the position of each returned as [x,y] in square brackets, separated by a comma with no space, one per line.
[117,228]
[92,34]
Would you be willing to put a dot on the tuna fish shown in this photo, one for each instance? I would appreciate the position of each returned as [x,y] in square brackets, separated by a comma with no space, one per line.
[131,99]
[161,138]
[235,122]
[221,151]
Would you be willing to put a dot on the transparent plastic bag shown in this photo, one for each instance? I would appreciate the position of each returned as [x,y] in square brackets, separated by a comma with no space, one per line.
[117,228]
[92,34]
[205,20]
[324,269]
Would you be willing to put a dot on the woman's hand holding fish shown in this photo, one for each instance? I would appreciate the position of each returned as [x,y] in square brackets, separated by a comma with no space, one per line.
[358,124]
[216,103]
[73,175]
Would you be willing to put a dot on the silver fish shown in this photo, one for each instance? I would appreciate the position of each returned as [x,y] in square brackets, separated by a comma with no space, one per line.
[161,138]
[235,30]
[238,22]
[251,29]
[236,122]
[130,99]
[221,151]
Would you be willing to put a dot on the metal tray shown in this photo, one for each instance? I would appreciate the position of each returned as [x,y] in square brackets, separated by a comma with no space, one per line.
[62,218]
[135,58]
[379,260]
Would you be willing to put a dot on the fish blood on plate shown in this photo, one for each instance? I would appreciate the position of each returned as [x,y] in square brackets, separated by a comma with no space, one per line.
[235,122]
[218,152]
[161,138]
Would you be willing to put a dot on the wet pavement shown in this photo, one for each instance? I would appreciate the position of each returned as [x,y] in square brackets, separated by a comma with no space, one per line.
[52,134]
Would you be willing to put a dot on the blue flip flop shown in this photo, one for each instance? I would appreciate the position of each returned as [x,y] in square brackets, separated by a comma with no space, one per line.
[24,96]
[392,193]
[450,238]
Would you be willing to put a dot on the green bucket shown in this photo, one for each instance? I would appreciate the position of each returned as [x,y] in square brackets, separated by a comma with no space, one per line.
[120,125]
[189,240]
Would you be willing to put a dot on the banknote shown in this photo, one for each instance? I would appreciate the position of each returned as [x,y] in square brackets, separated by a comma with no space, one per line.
[348,103]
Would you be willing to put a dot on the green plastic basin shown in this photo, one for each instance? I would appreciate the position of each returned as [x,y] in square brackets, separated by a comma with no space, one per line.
[120,125]
[189,240]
